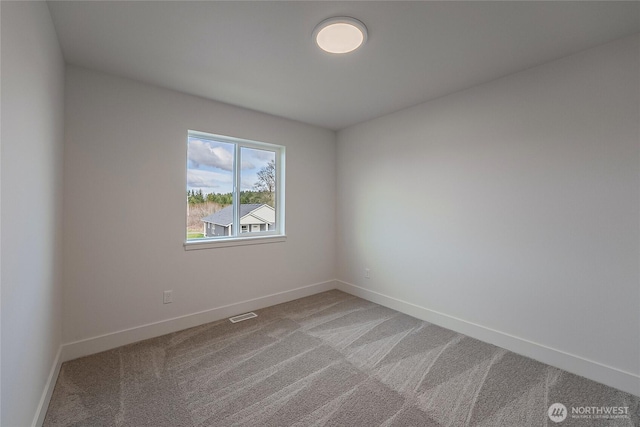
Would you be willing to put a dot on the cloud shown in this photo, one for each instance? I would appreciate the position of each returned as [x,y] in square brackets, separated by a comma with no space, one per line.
[202,153]
[255,158]
[246,164]
[263,155]
[248,182]
[198,178]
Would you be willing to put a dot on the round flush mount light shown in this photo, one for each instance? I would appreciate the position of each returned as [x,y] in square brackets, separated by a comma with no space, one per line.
[340,34]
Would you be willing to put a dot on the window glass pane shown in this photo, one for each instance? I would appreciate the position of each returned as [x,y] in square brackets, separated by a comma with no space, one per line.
[209,188]
[231,187]
[257,189]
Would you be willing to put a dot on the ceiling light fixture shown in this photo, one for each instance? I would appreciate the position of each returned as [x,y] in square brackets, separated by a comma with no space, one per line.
[340,34]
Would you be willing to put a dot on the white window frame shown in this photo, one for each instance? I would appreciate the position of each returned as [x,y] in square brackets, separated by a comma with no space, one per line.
[237,237]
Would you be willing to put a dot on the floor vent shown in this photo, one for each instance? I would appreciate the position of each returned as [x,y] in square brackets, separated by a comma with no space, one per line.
[241,317]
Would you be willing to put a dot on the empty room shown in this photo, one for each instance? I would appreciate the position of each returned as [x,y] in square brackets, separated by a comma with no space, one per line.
[319,213]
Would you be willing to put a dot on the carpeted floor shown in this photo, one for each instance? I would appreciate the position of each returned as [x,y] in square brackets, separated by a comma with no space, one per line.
[326,360]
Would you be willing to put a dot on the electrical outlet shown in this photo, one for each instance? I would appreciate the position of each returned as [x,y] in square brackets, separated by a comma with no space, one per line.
[367,273]
[167,297]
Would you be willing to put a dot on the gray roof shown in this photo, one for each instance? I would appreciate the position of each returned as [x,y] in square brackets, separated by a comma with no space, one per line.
[225,215]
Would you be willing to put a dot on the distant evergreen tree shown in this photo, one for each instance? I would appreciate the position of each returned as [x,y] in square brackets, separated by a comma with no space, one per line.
[195,196]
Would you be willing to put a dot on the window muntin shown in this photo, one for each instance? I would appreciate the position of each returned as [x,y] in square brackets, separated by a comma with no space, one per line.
[234,188]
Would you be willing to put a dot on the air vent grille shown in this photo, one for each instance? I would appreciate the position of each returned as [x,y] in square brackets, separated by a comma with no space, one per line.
[241,317]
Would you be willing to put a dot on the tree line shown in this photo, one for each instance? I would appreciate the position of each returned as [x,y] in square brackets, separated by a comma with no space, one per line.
[197,197]
[263,190]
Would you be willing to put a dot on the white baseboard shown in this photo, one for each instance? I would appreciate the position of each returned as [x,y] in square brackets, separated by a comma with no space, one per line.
[595,371]
[610,376]
[85,347]
[43,405]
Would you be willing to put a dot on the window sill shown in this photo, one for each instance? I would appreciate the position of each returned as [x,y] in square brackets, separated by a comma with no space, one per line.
[235,241]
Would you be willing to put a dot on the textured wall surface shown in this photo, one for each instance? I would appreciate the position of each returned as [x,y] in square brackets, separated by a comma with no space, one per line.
[32,146]
[125,186]
[512,205]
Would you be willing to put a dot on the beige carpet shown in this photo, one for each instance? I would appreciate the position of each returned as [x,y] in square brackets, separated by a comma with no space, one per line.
[326,360]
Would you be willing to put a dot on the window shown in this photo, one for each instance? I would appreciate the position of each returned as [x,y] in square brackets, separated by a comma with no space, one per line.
[235,189]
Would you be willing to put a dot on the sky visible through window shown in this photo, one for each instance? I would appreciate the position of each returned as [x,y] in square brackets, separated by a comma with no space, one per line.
[210,166]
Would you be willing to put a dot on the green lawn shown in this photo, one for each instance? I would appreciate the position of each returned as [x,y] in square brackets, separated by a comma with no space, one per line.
[194,235]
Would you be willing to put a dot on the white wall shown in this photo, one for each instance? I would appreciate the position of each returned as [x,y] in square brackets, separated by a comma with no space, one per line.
[125,157]
[31,175]
[513,205]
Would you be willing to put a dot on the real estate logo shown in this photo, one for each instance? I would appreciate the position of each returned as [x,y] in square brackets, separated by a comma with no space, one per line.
[557,412]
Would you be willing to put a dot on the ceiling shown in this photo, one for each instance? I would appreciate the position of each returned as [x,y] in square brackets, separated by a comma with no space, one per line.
[260,55]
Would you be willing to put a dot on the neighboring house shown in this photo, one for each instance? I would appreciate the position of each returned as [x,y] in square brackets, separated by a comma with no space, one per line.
[253,218]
